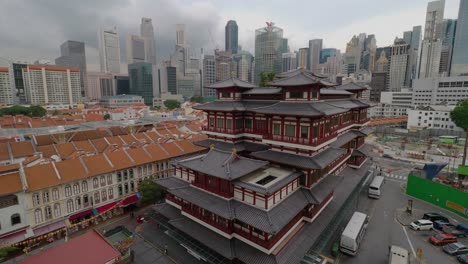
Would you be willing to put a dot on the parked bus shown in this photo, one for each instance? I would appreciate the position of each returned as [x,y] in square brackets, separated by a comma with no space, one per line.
[398,255]
[375,187]
[353,233]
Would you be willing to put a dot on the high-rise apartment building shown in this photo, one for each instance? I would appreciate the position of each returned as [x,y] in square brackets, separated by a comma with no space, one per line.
[6,96]
[431,47]
[141,80]
[243,65]
[147,33]
[459,63]
[231,38]
[289,61]
[209,75]
[136,49]
[73,55]
[398,65]
[448,39]
[303,58]
[99,84]
[180,35]
[269,47]
[109,51]
[315,46]
[47,84]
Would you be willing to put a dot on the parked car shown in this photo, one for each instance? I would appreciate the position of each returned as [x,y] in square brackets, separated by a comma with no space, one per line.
[387,156]
[458,231]
[455,249]
[440,225]
[442,239]
[422,224]
[463,258]
[434,217]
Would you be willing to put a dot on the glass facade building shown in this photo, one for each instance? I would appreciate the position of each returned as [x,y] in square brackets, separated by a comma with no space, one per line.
[141,80]
[231,39]
[326,53]
[460,49]
[269,47]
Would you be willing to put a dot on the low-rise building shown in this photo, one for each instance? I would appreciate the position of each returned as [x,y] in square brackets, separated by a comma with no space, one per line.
[122,100]
[159,101]
[433,116]
[441,90]
[381,110]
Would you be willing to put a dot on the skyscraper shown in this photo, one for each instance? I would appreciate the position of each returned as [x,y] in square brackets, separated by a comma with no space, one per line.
[289,61]
[243,65]
[398,65]
[432,44]
[223,65]
[231,38]
[147,33]
[413,55]
[180,35]
[141,80]
[368,53]
[209,75]
[136,49]
[326,53]
[269,47]
[460,49]
[315,46]
[73,55]
[302,58]
[379,75]
[448,38]
[109,50]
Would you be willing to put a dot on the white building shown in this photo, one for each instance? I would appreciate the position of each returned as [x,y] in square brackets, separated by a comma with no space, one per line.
[136,49]
[302,58]
[447,90]
[315,46]
[47,84]
[398,65]
[123,113]
[122,100]
[387,110]
[433,116]
[99,84]
[159,101]
[147,32]
[6,96]
[12,216]
[402,98]
[109,51]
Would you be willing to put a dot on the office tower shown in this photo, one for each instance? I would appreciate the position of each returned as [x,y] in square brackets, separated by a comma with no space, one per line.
[352,57]
[460,50]
[326,53]
[379,76]
[99,84]
[315,46]
[48,84]
[231,39]
[140,75]
[171,79]
[407,36]
[186,86]
[121,84]
[432,44]
[413,55]
[136,47]
[302,58]
[223,65]
[289,61]
[72,54]
[180,35]
[269,47]
[243,65]
[209,75]
[109,51]
[331,64]
[147,33]
[6,95]
[448,38]
[398,65]
[368,53]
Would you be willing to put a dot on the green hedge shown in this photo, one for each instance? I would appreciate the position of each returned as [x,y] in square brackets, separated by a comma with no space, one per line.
[438,194]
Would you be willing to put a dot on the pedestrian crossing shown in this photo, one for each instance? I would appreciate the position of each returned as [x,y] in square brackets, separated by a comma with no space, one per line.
[395,176]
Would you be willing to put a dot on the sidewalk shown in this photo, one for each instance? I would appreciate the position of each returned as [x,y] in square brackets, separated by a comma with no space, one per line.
[405,219]
[145,253]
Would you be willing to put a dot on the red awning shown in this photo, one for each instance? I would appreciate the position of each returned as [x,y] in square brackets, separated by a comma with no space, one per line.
[13,238]
[129,200]
[49,228]
[80,214]
[105,207]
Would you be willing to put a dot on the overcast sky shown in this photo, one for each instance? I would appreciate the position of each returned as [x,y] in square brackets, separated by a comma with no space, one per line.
[34,29]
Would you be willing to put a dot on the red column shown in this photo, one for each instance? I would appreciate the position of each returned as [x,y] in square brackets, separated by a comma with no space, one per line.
[298,124]
[254,198]
[282,128]
[225,121]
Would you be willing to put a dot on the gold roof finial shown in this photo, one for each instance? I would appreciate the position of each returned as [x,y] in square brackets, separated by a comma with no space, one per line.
[234,151]
[212,146]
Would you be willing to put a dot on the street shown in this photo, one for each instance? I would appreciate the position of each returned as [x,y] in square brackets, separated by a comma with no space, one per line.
[384,230]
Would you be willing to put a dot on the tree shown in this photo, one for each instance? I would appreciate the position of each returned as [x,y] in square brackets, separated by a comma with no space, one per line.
[107,116]
[151,192]
[265,78]
[171,104]
[33,111]
[4,252]
[459,116]
[196,99]
[37,111]
[55,112]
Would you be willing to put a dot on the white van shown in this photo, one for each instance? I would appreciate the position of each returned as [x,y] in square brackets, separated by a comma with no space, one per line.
[353,233]
[422,224]
[398,255]
[375,187]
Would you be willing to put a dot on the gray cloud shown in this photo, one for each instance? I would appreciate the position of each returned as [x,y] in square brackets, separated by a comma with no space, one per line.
[45,24]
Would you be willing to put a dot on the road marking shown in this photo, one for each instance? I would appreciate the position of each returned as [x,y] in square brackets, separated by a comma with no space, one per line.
[409,241]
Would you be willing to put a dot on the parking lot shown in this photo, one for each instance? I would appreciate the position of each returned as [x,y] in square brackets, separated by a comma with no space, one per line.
[384,230]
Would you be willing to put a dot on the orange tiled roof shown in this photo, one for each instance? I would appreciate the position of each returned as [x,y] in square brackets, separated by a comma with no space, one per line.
[10,183]
[71,170]
[100,144]
[173,149]
[189,147]
[47,150]
[97,164]
[10,167]
[115,140]
[65,149]
[119,159]
[4,155]
[84,145]
[41,176]
[140,156]
[157,153]
[21,149]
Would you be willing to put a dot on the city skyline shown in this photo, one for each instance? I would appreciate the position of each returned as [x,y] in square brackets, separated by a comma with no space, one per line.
[335,33]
